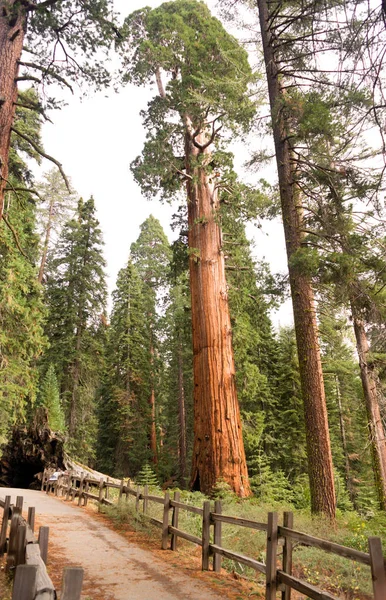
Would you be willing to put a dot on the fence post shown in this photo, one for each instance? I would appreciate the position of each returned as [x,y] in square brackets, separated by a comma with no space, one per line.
[20,545]
[43,542]
[121,490]
[288,521]
[43,480]
[377,568]
[13,530]
[19,503]
[205,535]
[107,492]
[24,587]
[81,490]
[69,486]
[85,499]
[270,586]
[137,495]
[165,522]
[101,482]
[31,518]
[4,525]
[127,490]
[173,543]
[145,500]
[217,537]
[72,583]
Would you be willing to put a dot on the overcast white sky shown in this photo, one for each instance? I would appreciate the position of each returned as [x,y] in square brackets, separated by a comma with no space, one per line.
[96,139]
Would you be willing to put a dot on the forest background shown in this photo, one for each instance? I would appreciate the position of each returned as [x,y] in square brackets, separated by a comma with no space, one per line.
[120,385]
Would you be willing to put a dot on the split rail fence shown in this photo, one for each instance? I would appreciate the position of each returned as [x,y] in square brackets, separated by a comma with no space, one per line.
[277,579]
[27,556]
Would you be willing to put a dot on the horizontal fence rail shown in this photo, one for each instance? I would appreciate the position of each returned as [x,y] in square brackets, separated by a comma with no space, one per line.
[26,556]
[277,579]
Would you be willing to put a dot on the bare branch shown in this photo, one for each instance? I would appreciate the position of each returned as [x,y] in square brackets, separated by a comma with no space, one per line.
[47,156]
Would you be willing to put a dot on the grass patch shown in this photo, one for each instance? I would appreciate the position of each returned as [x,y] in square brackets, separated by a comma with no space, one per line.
[5,584]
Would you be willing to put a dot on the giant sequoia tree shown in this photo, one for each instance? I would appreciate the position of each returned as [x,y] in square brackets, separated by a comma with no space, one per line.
[59,39]
[207,91]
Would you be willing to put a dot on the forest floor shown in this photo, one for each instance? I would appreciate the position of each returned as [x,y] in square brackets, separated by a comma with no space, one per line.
[119,566]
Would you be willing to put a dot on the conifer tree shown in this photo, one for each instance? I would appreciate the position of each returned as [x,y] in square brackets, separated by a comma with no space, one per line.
[124,411]
[207,78]
[49,397]
[21,307]
[151,256]
[54,210]
[76,296]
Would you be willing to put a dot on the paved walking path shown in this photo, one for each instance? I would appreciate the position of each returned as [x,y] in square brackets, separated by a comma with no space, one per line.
[115,568]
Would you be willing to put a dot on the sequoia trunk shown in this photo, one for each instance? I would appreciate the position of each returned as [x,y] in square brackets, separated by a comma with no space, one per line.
[152,411]
[12,28]
[218,451]
[181,418]
[318,438]
[369,384]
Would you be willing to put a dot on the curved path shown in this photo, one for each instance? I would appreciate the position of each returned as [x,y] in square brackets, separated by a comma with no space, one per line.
[115,568]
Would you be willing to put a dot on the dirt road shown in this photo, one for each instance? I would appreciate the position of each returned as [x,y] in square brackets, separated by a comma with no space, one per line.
[115,569]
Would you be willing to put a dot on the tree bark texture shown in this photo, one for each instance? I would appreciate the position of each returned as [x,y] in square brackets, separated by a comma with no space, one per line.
[181,418]
[152,431]
[13,23]
[218,451]
[72,422]
[320,466]
[374,421]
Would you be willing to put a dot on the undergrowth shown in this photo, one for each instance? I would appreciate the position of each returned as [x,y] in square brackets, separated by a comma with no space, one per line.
[346,579]
[5,585]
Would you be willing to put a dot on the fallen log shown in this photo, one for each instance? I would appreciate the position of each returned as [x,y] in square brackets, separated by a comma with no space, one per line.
[30,450]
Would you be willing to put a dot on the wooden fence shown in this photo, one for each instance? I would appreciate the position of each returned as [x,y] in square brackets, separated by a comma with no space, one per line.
[276,579]
[27,556]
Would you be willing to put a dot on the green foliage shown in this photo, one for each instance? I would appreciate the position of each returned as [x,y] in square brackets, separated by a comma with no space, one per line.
[207,86]
[76,295]
[21,307]
[133,360]
[85,31]
[49,397]
[146,476]
[123,405]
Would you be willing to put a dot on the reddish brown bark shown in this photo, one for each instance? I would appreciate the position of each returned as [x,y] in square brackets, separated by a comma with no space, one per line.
[370,389]
[152,432]
[12,29]
[317,432]
[181,418]
[218,451]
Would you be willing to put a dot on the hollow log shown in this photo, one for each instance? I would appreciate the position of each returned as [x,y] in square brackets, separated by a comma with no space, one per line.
[31,449]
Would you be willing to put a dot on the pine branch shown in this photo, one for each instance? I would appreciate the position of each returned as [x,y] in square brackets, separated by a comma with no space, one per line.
[31,6]
[46,71]
[34,107]
[47,156]
[10,227]
[21,189]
